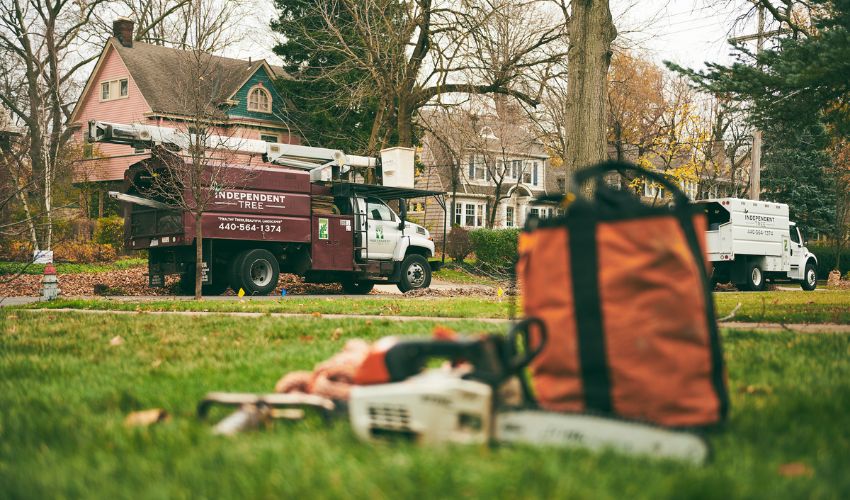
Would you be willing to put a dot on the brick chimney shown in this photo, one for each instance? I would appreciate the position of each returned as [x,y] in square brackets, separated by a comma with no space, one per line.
[122,29]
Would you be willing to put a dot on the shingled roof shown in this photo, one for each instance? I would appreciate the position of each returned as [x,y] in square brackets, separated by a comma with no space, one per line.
[156,69]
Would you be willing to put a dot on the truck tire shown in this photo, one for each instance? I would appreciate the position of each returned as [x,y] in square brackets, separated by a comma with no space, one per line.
[755,277]
[415,273]
[234,276]
[810,277]
[257,272]
[357,287]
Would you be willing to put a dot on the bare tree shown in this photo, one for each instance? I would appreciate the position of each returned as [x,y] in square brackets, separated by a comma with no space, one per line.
[409,53]
[189,181]
[447,141]
[208,25]
[498,140]
[45,47]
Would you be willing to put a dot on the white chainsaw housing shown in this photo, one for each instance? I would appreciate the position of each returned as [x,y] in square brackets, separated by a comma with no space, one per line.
[436,406]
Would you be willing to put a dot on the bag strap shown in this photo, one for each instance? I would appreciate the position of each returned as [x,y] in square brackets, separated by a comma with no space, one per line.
[584,266]
[597,171]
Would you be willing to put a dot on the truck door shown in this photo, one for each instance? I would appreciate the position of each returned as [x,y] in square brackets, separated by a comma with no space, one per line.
[383,231]
[797,255]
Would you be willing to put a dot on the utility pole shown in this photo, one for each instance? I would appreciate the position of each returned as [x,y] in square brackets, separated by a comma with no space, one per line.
[755,167]
[755,163]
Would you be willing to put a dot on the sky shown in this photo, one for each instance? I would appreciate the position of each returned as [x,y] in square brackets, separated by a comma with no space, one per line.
[687,32]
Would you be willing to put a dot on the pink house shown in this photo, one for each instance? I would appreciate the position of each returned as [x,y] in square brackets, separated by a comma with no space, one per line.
[134,82]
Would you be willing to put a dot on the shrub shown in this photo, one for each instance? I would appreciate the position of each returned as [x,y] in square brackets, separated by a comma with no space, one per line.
[495,248]
[826,259]
[16,251]
[110,231]
[458,244]
[83,252]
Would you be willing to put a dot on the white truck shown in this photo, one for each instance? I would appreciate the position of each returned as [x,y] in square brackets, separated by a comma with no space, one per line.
[750,242]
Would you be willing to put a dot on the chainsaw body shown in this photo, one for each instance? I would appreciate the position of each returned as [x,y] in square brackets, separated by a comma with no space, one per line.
[436,406]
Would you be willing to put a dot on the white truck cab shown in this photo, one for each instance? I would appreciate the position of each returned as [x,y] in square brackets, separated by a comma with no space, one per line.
[749,242]
[390,238]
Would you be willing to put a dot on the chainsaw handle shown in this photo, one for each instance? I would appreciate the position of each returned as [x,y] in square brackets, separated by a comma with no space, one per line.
[522,329]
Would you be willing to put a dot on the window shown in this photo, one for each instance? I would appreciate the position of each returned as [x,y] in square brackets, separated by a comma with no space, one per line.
[517,169]
[471,171]
[794,236]
[269,138]
[259,99]
[479,215]
[114,89]
[562,184]
[652,189]
[459,214]
[509,216]
[534,212]
[470,215]
[534,173]
[378,211]
[526,173]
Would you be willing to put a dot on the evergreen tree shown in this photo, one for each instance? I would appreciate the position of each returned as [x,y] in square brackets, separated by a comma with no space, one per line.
[326,112]
[798,93]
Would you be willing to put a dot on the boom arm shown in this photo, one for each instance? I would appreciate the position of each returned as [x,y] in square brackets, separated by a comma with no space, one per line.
[316,160]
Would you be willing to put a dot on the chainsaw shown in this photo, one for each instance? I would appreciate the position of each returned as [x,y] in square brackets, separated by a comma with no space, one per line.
[482,397]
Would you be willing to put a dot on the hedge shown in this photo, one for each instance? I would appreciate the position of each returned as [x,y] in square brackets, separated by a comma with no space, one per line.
[826,259]
[495,248]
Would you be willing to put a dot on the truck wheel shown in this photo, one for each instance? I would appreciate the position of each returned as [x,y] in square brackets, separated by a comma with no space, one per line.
[415,273]
[257,272]
[810,278]
[755,277]
[357,287]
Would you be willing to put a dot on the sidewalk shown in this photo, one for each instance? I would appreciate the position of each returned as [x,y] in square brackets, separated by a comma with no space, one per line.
[730,325]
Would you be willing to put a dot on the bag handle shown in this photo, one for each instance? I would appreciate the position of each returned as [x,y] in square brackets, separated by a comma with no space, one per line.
[597,171]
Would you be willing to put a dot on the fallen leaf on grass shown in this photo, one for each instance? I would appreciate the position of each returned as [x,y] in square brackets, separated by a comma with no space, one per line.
[444,333]
[795,469]
[156,363]
[11,317]
[756,389]
[317,315]
[116,341]
[145,418]
[336,334]
[306,338]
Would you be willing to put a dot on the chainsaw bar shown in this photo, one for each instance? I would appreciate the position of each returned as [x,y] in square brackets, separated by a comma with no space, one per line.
[542,428]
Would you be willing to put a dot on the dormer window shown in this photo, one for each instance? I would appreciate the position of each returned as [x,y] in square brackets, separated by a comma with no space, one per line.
[259,100]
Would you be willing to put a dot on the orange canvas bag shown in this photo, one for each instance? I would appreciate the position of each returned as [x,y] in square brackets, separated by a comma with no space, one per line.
[623,290]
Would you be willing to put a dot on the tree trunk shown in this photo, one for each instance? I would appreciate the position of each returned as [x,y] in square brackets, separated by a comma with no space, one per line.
[199,255]
[405,124]
[591,31]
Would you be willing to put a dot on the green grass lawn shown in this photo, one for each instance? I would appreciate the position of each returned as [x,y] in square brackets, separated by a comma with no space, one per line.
[69,268]
[463,275]
[787,307]
[64,392]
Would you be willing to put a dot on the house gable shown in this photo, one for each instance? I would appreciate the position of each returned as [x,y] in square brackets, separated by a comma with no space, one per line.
[261,77]
[109,66]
